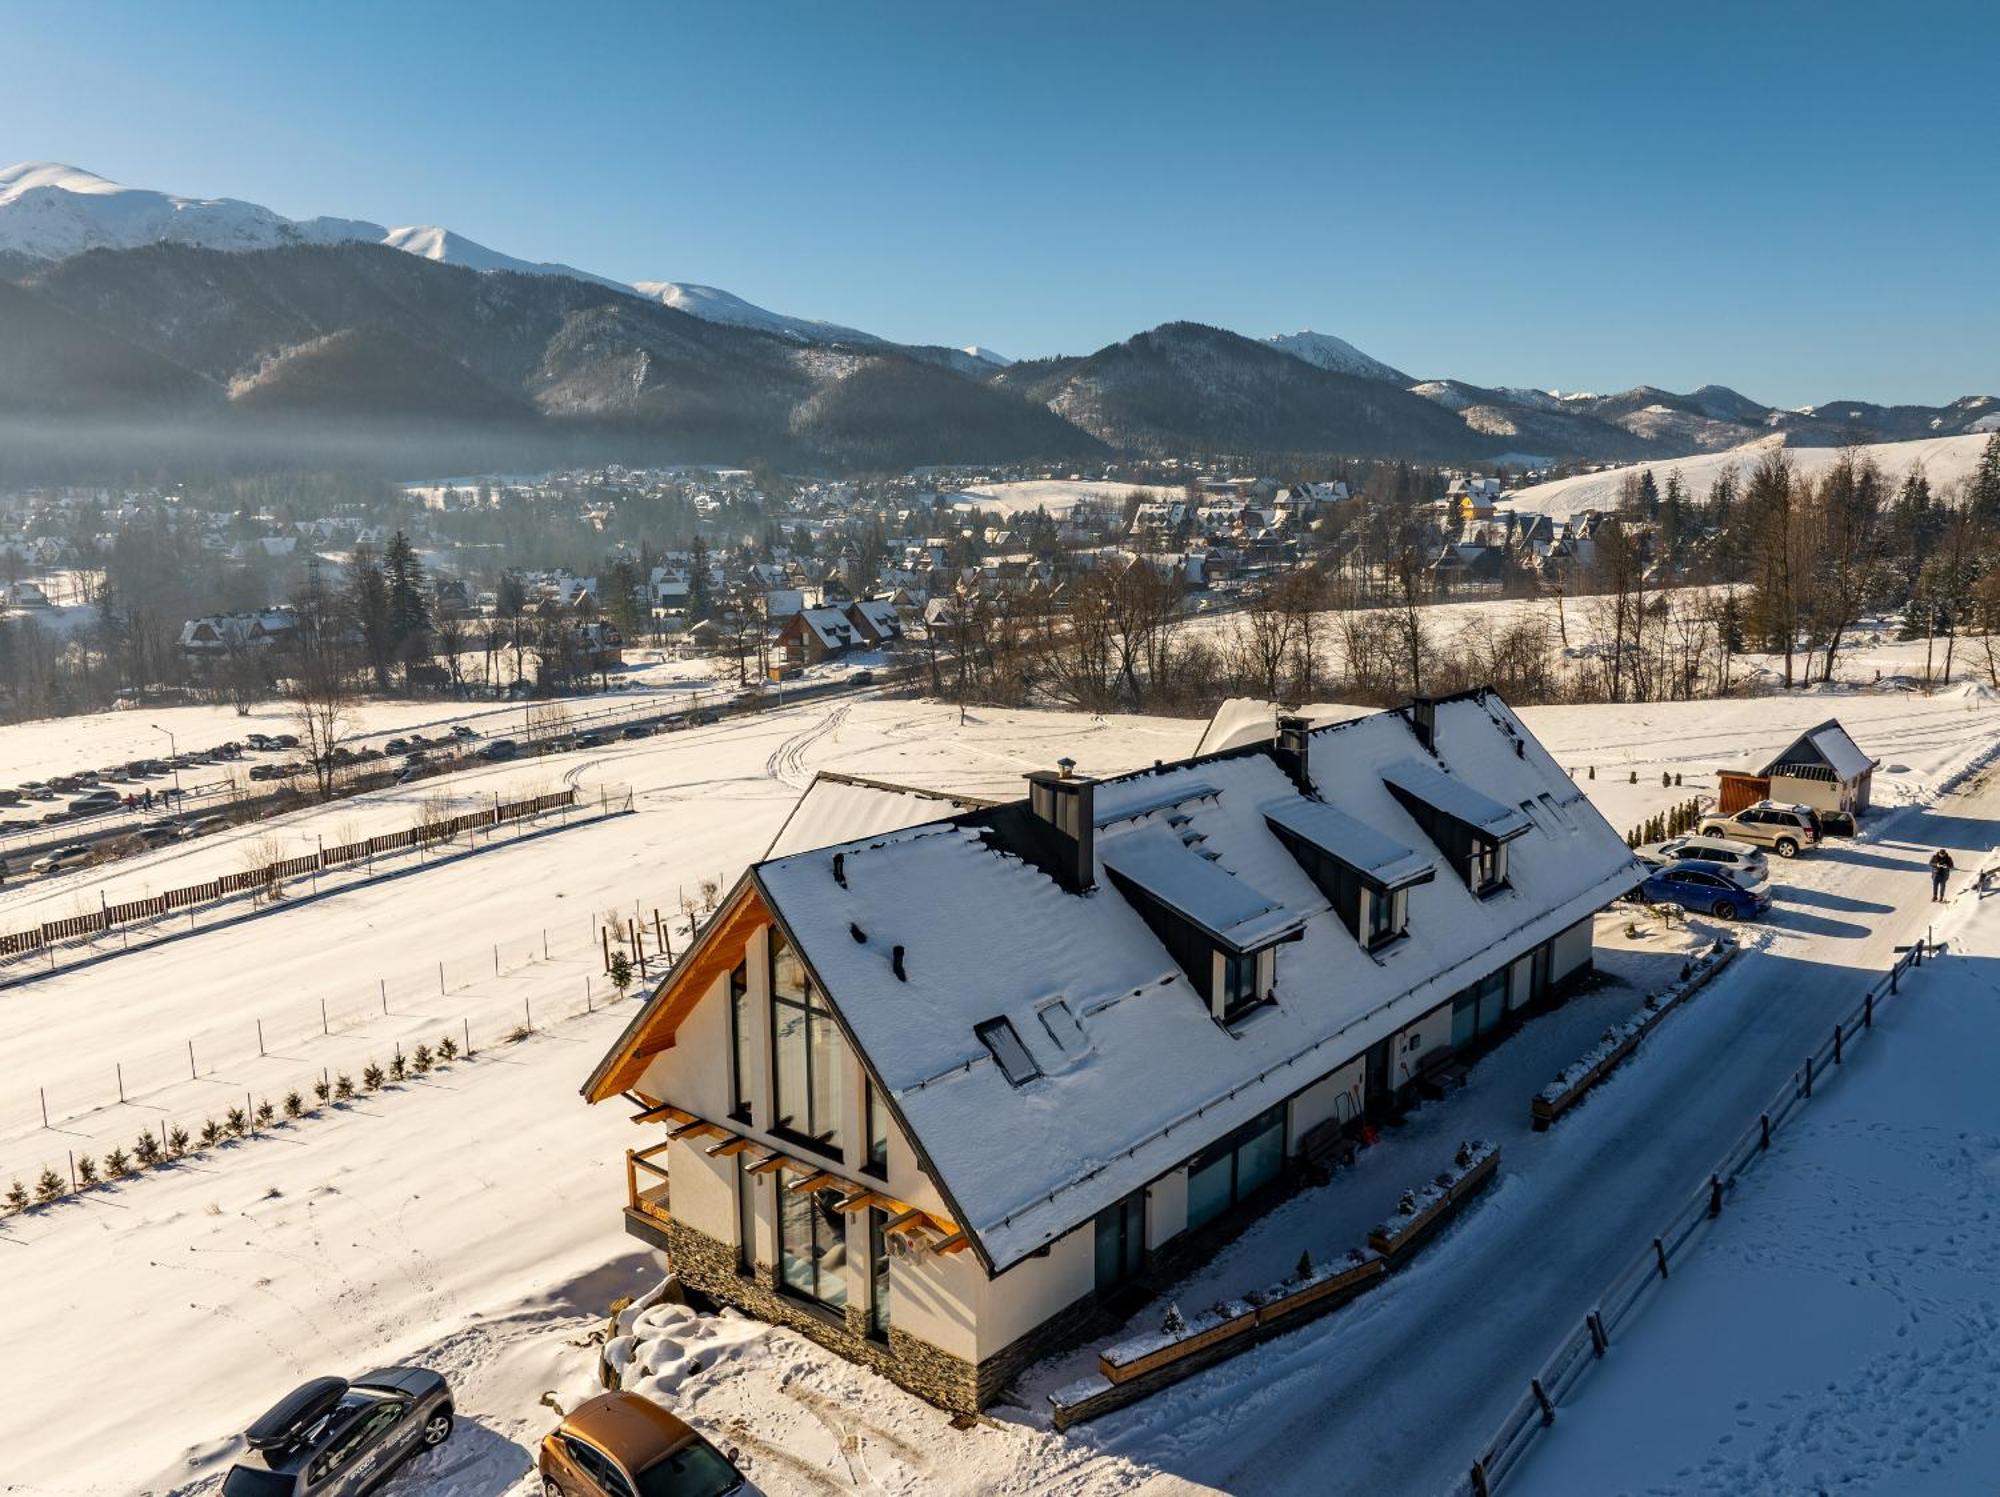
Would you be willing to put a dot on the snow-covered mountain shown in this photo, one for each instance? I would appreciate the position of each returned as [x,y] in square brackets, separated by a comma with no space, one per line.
[447,248]
[1325,351]
[713,304]
[49,211]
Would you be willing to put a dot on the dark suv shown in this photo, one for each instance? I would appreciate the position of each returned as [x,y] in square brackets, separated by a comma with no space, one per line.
[333,1438]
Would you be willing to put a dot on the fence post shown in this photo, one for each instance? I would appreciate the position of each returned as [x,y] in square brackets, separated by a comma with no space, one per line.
[1808,1090]
[1479,1486]
[1836,1044]
[1660,1252]
[496,959]
[1764,1131]
[1868,1010]
[468,1035]
[605,932]
[323,1029]
[1542,1398]
[1714,1196]
[528,1014]
[45,1104]
[1598,1339]
[1894,972]
[440,979]
[193,1075]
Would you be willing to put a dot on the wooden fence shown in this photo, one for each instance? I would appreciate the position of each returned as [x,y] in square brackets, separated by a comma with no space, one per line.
[424,834]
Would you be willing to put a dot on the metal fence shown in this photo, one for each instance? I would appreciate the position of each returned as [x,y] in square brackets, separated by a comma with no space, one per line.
[1627,1293]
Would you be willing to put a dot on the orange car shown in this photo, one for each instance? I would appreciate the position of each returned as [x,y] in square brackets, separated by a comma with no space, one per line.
[622,1445]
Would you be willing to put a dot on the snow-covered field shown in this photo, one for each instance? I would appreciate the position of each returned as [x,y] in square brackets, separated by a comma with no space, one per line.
[470,1218]
[1837,1330]
[1945,461]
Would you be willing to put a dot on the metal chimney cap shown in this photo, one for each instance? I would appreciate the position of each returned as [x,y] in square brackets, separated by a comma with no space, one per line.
[1067,766]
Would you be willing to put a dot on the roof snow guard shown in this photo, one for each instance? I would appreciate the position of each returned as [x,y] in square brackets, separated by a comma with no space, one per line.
[1376,859]
[1222,906]
[1455,799]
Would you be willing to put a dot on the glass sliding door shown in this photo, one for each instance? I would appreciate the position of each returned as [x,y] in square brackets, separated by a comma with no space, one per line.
[1121,1242]
[878,1273]
[1235,1167]
[812,1248]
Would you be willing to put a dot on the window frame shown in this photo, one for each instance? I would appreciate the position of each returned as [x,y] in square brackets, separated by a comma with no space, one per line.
[815,1016]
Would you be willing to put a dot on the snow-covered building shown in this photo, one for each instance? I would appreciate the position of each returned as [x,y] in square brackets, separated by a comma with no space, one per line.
[226,633]
[876,620]
[815,634]
[931,1094]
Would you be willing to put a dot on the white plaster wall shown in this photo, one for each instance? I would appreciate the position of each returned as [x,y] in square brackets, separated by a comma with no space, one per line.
[702,1191]
[933,1298]
[1030,1292]
[1572,949]
[1414,1041]
[1166,1209]
[1336,1096]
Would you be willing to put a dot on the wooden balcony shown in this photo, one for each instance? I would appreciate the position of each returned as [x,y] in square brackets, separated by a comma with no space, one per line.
[646,1195]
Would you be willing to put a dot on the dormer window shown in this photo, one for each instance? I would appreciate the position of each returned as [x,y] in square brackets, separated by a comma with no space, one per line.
[1221,932]
[1365,875]
[1471,829]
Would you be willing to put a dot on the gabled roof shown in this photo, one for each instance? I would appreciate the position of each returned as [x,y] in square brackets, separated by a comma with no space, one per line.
[1150,1077]
[1826,744]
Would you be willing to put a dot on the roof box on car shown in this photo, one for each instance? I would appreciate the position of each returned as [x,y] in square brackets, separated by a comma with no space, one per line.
[296,1412]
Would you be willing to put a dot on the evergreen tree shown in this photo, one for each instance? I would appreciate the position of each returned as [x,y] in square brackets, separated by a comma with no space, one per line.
[1649,496]
[701,593]
[408,608]
[1983,491]
[368,604]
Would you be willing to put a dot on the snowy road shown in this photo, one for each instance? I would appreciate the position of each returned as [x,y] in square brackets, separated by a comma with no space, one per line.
[1394,1394]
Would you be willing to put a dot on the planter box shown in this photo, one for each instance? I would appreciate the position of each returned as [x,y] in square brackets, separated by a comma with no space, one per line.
[1437,1202]
[1576,1080]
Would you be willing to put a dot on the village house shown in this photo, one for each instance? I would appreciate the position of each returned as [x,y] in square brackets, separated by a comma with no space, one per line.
[934,1094]
[1823,768]
[218,634]
[815,634]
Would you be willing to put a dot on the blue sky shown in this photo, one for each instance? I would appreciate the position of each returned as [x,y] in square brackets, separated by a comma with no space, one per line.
[1797,201]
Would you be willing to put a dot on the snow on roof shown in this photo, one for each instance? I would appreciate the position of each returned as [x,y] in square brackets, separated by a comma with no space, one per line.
[1355,843]
[1127,800]
[1828,741]
[1168,871]
[839,808]
[831,625]
[1456,799]
[987,934]
[1240,721]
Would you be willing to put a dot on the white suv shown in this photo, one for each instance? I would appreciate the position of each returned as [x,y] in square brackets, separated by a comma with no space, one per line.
[1786,830]
[1739,860]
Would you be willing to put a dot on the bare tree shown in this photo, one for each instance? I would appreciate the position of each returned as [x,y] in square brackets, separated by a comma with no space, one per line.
[323,692]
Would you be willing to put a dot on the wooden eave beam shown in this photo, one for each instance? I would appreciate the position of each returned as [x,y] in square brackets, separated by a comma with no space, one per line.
[696,1129]
[663,1114]
[818,1180]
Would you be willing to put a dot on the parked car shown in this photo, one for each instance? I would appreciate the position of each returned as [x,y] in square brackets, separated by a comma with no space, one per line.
[1746,864]
[396,746]
[861,678]
[156,836]
[636,730]
[259,741]
[461,731]
[500,748]
[65,784]
[37,790]
[18,824]
[57,817]
[76,855]
[96,803]
[201,826]
[704,717]
[285,740]
[619,1444]
[333,1438]
[587,740]
[1705,888]
[10,797]
[1786,830]
[267,771]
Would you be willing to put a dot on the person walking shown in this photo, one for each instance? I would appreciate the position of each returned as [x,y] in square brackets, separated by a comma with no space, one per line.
[1941,866]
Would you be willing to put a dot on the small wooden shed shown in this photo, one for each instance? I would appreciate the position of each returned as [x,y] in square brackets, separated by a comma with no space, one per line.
[1823,768]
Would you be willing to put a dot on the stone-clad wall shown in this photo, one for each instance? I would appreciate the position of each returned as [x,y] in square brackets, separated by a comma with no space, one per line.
[710,1266]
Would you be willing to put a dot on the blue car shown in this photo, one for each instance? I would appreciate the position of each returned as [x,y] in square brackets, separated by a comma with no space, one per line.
[1704,888]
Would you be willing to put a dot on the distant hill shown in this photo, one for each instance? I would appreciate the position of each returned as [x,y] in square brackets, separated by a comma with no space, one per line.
[1184,386]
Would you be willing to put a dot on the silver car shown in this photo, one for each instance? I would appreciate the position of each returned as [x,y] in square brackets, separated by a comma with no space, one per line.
[334,1438]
